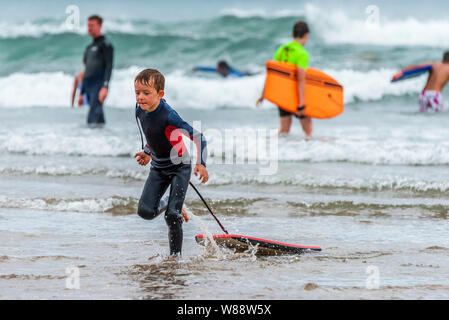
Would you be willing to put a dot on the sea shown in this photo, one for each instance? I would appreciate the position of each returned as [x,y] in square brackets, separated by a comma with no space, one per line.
[370,187]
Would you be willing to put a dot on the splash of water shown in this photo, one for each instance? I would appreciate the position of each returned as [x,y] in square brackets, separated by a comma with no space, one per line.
[210,242]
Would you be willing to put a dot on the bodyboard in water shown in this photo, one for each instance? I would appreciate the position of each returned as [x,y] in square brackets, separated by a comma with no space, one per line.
[263,247]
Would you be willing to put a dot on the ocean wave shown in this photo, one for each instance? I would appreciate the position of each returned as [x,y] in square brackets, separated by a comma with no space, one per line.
[113,205]
[337,27]
[222,177]
[262,13]
[128,206]
[374,183]
[246,146]
[333,26]
[53,143]
[73,170]
[53,89]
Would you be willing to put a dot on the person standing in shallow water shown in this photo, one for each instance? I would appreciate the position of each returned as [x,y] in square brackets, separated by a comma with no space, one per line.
[294,52]
[98,60]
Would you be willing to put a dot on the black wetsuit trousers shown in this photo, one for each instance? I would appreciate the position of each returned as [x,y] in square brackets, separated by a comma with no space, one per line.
[150,205]
[92,86]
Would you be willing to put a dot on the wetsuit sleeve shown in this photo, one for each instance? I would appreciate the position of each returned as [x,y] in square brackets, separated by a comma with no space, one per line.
[197,137]
[84,62]
[108,56]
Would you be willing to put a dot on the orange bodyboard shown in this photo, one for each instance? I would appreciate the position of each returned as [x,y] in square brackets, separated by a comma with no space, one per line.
[323,94]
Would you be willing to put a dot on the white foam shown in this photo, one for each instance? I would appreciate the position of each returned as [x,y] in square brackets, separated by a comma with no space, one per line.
[69,205]
[337,27]
[333,26]
[51,143]
[376,182]
[53,89]
[261,13]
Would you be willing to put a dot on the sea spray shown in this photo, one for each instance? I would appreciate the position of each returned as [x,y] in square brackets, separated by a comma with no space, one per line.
[210,242]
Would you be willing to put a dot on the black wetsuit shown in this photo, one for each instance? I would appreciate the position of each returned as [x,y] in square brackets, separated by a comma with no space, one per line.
[170,166]
[98,59]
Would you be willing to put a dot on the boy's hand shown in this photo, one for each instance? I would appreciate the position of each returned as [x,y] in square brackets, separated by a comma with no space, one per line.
[142,158]
[259,101]
[204,176]
[80,100]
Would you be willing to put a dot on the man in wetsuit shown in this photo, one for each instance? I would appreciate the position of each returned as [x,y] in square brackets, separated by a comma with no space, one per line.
[170,161]
[98,58]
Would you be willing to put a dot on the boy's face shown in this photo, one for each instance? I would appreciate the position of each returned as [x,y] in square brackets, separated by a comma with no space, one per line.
[147,96]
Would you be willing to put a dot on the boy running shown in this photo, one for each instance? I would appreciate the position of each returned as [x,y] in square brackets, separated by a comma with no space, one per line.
[170,161]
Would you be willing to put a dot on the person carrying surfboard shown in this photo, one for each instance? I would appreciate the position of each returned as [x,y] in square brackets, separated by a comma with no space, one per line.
[430,98]
[295,53]
[170,161]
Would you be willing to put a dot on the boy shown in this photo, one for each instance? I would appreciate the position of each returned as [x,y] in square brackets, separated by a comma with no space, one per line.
[294,52]
[170,161]
[430,98]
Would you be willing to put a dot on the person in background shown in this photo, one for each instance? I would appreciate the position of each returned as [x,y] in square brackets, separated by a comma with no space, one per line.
[295,53]
[430,98]
[98,61]
[223,69]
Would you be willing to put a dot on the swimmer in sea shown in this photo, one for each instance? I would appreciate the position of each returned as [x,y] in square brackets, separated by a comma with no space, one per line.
[224,69]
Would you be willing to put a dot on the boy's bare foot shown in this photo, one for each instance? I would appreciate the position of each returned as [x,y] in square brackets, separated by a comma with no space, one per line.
[185,217]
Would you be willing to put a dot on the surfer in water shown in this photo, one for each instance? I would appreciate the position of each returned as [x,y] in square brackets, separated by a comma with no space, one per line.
[170,161]
[224,69]
[430,98]
[294,52]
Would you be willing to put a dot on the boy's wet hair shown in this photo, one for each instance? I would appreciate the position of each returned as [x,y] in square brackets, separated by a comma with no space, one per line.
[446,56]
[300,29]
[96,18]
[151,77]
